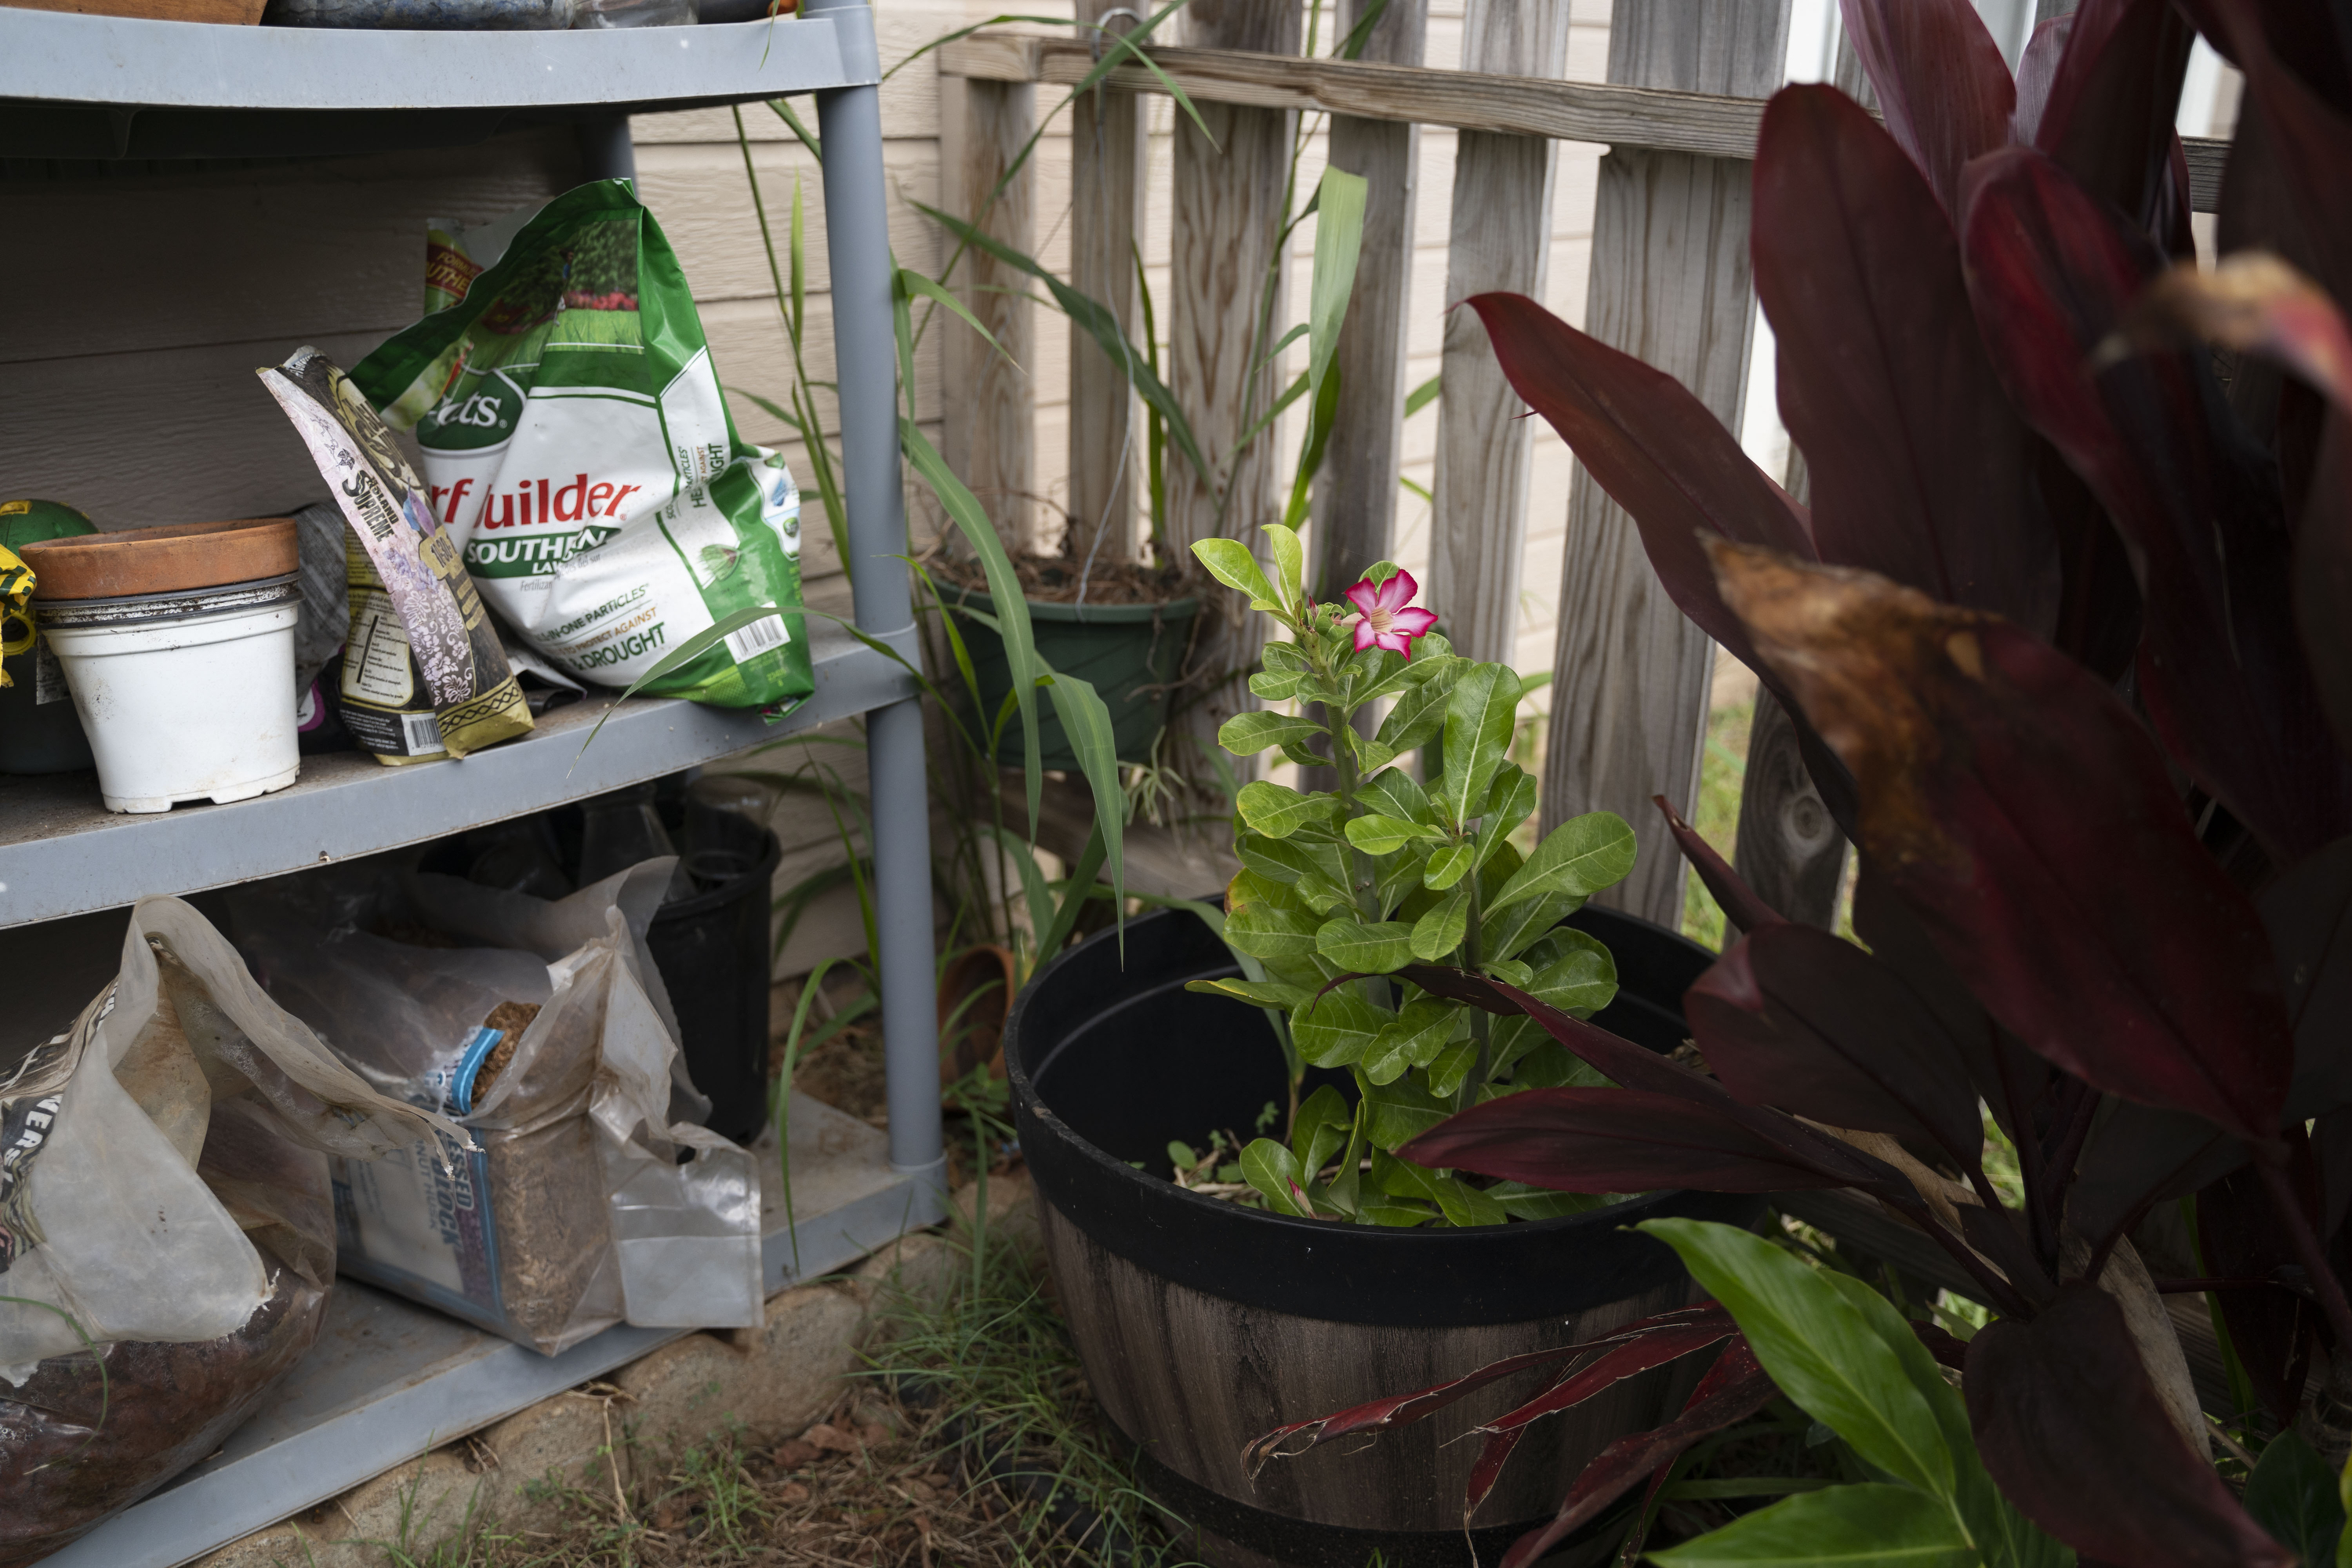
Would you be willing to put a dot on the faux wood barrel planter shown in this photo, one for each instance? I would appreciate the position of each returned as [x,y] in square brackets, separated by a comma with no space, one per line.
[1202,1324]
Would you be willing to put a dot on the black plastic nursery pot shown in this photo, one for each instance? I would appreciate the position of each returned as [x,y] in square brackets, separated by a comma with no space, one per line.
[712,951]
[1202,1324]
[1128,652]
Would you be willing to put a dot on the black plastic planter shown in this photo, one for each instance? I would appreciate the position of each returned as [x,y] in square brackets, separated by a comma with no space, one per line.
[712,951]
[1202,1324]
[1130,654]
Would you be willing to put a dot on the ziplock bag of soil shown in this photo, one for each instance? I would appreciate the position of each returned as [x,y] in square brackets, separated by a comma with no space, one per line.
[167,1232]
[579,449]
[553,1044]
[424,676]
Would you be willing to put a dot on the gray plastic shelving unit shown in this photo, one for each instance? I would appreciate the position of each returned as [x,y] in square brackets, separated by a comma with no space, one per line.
[388,1379]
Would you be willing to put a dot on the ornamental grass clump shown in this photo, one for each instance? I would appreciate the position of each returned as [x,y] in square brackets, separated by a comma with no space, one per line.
[1343,891]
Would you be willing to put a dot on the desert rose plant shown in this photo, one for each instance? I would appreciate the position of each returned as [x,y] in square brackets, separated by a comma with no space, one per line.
[1387,871]
[2065,630]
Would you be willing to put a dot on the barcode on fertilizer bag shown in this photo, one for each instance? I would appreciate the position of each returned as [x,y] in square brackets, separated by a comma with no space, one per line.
[421,734]
[747,642]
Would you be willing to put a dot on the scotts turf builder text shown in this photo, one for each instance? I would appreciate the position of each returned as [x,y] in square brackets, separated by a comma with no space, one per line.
[580,453]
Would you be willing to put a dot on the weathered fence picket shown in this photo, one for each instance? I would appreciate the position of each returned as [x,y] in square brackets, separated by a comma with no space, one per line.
[1107,151]
[1500,239]
[991,421]
[1670,283]
[1670,286]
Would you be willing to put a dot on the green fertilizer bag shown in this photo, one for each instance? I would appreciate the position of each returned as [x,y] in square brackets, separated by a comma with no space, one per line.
[579,451]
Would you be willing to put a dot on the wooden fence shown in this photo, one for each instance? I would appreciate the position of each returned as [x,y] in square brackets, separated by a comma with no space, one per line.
[1670,283]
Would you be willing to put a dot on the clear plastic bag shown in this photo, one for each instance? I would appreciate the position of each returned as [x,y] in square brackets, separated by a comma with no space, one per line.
[591,1196]
[166,1216]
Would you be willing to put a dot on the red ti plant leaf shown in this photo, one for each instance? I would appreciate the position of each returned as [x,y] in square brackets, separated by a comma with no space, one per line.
[1613,1140]
[2138,1157]
[1404,1409]
[1922,469]
[1940,81]
[1781,1138]
[2299,87]
[2008,1076]
[2075,1434]
[2052,272]
[2255,303]
[2323,573]
[2037,73]
[2240,1237]
[2020,812]
[1628,1358]
[2109,117]
[1795,1017]
[1739,903]
[2307,911]
[1657,450]
[1734,1388]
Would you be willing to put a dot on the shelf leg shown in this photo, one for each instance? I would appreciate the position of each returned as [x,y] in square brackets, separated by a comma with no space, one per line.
[858,237]
[606,152]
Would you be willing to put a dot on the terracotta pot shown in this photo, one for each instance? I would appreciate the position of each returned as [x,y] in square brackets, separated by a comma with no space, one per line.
[982,1023]
[166,560]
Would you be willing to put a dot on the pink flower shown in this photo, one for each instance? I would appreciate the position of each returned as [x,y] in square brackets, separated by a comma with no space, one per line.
[1382,618]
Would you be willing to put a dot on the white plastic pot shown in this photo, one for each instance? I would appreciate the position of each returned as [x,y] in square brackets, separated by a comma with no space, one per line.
[185,696]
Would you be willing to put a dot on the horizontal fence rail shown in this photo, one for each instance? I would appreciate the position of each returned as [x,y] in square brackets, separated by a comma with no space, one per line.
[1602,112]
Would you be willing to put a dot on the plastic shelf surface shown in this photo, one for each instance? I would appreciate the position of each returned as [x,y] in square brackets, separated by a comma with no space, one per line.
[389,1379]
[76,86]
[61,853]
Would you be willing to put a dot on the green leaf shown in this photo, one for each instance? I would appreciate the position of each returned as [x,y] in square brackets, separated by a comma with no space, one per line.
[1398,1112]
[1230,562]
[1371,755]
[1418,715]
[1004,588]
[1458,1201]
[1337,1027]
[1085,724]
[1481,713]
[914,282]
[1421,397]
[1869,1526]
[1512,802]
[1451,1066]
[1413,1040]
[1359,948]
[1448,864]
[1307,862]
[1273,1169]
[1581,979]
[2293,1494]
[1439,932]
[1095,319]
[1321,1126]
[1266,920]
[1432,659]
[1402,796]
[1279,811]
[1275,685]
[1378,834]
[1339,243]
[1577,859]
[1258,993]
[1521,1201]
[1289,564]
[1513,931]
[1820,1348]
[1398,1214]
[1244,734]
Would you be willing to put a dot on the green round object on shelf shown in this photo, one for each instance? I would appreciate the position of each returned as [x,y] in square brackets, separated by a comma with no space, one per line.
[24,523]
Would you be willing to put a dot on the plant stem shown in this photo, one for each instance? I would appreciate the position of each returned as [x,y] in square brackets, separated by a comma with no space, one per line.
[2306,1245]
[1481,1025]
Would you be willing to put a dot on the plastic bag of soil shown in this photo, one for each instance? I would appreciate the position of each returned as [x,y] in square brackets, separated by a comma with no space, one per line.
[423,675]
[579,449]
[542,1026]
[167,1232]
